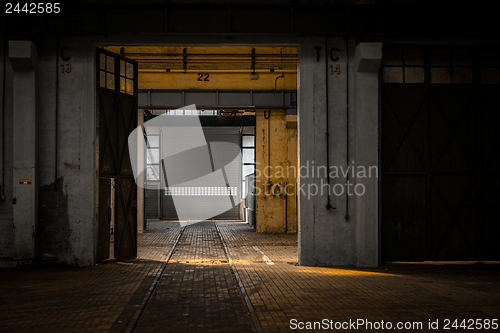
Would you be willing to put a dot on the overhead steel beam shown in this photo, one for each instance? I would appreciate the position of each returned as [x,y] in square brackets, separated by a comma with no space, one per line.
[217,100]
[215,120]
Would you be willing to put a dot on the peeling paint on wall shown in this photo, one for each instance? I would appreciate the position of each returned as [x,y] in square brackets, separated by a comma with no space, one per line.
[276,166]
[53,223]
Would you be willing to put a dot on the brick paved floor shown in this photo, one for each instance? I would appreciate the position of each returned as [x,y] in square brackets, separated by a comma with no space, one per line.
[395,293]
[81,299]
[198,291]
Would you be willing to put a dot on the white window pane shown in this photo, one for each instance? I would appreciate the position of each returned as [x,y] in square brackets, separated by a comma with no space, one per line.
[247,170]
[248,155]
[153,173]
[154,141]
[248,141]
[153,156]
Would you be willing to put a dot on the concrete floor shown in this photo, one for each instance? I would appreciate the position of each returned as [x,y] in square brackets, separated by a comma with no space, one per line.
[257,288]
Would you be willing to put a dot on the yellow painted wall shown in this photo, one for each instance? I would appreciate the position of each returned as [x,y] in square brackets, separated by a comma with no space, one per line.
[213,68]
[219,80]
[292,160]
[276,167]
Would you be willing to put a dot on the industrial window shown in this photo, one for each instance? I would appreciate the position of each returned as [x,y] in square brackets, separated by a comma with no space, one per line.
[403,66]
[116,73]
[451,66]
[126,77]
[490,66]
[201,191]
[153,158]
[107,71]
[248,156]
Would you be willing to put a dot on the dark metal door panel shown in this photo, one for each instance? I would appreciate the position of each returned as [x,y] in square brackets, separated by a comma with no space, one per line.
[440,158]
[404,225]
[126,219]
[117,96]
[453,171]
[405,159]
[429,133]
[104,219]
[489,179]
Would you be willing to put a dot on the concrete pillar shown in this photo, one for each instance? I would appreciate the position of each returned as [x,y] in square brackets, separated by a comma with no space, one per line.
[367,59]
[325,236]
[23,57]
[329,77]
[315,221]
[6,207]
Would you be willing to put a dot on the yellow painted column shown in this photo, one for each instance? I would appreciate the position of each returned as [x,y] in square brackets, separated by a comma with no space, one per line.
[276,167]
[292,173]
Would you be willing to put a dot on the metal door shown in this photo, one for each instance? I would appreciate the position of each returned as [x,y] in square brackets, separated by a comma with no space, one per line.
[440,154]
[117,109]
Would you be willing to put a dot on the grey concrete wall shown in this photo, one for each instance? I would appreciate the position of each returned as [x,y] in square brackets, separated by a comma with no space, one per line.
[23,57]
[76,155]
[338,100]
[53,227]
[66,228]
[6,208]
[368,57]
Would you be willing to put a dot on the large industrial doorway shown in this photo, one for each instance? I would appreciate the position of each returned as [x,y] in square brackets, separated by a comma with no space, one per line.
[440,153]
[159,202]
[243,95]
